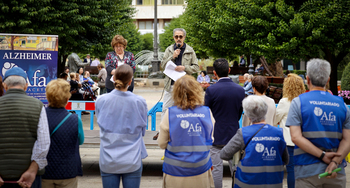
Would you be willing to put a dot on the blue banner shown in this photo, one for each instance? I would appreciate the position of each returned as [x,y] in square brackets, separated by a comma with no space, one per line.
[40,66]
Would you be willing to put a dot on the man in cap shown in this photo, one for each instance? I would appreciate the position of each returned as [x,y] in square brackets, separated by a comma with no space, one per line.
[24,134]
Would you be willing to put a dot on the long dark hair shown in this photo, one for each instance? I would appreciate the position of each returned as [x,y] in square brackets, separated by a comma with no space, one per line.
[1,87]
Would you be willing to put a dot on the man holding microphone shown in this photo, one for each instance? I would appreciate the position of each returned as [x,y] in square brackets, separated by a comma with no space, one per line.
[184,57]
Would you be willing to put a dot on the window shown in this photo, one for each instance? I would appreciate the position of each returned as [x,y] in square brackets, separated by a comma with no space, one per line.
[172,2]
[166,23]
[145,2]
[145,24]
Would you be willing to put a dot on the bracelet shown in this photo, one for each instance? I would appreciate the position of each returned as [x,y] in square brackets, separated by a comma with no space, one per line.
[322,155]
[335,162]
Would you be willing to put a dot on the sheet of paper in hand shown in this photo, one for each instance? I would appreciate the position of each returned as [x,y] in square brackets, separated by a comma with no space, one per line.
[171,72]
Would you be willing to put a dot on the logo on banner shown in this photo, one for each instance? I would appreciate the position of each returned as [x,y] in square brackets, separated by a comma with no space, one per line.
[7,66]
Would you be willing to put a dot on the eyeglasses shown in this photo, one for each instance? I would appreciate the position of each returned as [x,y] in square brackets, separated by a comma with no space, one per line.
[119,46]
[178,36]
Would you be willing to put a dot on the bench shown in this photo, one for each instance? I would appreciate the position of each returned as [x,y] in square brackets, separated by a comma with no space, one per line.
[233,70]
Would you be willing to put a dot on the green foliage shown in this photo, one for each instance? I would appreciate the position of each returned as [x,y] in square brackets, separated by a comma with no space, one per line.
[345,79]
[166,38]
[132,35]
[275,29]
[147,41]
[83,26]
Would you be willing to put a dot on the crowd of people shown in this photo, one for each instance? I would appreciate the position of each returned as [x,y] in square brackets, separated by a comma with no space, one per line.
[40,146]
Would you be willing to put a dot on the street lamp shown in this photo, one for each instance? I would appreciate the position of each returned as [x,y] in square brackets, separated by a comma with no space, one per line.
[251,66]
[155,61]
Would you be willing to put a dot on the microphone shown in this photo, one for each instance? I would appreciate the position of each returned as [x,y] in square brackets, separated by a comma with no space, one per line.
[178,46]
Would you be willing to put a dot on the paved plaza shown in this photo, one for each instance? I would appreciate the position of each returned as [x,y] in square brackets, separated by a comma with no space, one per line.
[152,165]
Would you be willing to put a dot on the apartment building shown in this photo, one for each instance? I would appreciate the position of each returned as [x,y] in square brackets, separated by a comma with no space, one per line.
[167,10]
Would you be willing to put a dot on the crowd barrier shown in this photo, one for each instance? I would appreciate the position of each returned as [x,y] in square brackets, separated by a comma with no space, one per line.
[80,106]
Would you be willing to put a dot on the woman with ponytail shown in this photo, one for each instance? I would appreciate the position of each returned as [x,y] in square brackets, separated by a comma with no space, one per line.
[122,118]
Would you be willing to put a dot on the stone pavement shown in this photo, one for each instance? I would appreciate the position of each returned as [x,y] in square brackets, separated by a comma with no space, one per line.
[152,165]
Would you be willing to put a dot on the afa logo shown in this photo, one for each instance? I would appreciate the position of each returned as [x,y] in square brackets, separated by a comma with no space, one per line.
[318,111]
[184,124]
[7,66]
[259,148]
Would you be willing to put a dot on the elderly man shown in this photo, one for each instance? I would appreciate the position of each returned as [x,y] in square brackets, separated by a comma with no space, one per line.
[184,57]
[319,124]
[88,59]
[24,134]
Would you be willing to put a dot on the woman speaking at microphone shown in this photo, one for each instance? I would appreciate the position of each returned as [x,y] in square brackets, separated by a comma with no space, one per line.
[116,58]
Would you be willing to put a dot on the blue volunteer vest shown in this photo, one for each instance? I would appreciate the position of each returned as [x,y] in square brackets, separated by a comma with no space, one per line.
[323,115]
[187,153]
[262,165]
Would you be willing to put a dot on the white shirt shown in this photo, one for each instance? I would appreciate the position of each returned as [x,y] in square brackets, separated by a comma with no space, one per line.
[281,118]
[42,144]
[95,62]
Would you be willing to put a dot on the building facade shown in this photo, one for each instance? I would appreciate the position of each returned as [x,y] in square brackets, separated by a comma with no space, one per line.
[167,10]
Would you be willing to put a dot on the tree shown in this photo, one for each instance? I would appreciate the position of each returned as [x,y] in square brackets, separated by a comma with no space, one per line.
[275,29]
[82,25]
[147,41]
[132,35]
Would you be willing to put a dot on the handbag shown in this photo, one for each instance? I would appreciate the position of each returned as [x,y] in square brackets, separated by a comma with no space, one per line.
[59,125]
[101,84]
[243,150]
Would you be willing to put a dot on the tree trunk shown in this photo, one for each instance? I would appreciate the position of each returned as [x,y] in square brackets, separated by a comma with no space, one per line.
[279,69]
[264,63]
[334,61]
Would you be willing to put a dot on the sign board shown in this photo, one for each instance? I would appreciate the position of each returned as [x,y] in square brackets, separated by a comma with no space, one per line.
[35,54]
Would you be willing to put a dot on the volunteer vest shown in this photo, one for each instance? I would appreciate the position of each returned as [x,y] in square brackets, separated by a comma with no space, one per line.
[322,118]
[19,117]
[262,165]
[187,153]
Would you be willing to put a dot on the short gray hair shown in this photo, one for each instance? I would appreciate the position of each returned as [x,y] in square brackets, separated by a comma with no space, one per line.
[179,29]
[318,71]
[255,108]
[12,81]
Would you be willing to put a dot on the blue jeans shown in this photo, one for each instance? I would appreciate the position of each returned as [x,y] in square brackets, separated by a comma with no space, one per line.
[130,180]
[290,168]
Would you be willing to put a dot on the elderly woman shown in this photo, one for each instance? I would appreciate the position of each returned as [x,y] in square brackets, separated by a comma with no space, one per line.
[186,135]
[248,88]
[122,118]
[203,77]
[265,149]
[66,132]
[116,58]
[293,86]
[260,85]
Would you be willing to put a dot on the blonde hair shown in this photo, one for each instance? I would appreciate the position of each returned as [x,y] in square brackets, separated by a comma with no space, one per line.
[187,93]
[72,75]
[122,76]
[118,39]
[77,77]
[57,93]
[293,86]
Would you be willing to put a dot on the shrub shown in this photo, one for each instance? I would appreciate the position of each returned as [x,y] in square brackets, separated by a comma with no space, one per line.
[345,79]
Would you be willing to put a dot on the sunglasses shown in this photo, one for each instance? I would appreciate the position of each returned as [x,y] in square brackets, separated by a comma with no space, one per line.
[178,36]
